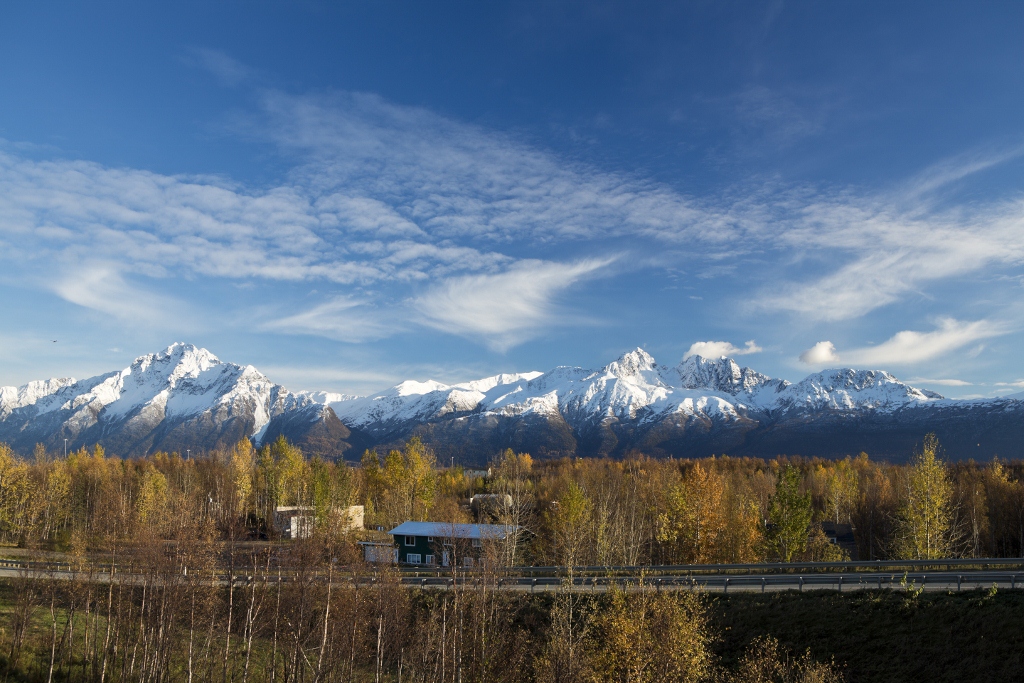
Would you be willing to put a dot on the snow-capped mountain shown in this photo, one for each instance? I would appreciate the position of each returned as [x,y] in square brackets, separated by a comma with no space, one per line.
[184,397]
[633,387]
[181,398]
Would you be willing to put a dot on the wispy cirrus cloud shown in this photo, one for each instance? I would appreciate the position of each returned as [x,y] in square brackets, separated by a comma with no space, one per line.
[948,382]
[342,318]
[103,289]
[883,247]
[503,309]
[401,209]
[458,180]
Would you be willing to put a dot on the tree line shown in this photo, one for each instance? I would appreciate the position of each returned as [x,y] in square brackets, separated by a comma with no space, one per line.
[569,512]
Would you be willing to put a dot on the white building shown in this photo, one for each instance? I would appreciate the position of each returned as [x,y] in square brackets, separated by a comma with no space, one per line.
[296,521]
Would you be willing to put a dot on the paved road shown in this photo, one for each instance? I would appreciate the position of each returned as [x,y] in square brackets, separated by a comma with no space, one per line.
[761,583]
[753,582]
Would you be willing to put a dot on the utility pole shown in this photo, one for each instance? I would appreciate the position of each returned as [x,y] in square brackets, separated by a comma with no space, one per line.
[188,454]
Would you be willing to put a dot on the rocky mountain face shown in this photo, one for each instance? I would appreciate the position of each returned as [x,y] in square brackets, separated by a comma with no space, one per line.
[185,397]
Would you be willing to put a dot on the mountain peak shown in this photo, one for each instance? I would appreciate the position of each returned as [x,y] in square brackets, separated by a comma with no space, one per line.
[721,374]
[177,360]
[631,363]
[183,351]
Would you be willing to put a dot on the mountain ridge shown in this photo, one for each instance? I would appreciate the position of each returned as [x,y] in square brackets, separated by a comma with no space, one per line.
[185,398]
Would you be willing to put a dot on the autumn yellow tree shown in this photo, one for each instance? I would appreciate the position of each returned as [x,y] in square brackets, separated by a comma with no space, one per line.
[405,486]
[924,513]
[152,498]
[515,500]
[293,473]
[840,490]
[646,636]
[694,521]
[15,491]
[242,468]
[570,523]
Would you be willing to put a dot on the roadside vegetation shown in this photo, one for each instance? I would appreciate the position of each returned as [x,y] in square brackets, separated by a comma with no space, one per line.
[203,588]
[169,629]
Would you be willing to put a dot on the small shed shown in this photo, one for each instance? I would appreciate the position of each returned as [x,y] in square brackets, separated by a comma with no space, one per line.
[296,521]
[379,552]
[435,543]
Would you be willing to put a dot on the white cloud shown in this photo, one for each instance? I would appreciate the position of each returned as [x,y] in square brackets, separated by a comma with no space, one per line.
[340,318]
[880,248]
[458,180]
[941,382]
[385,201]
[103,289]
[822,353]
[717,349]
[908,347]
[950,170]
[504,309]
[914,347]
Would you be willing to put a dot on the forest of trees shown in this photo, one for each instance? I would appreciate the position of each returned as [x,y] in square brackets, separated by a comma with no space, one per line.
[567,512]
[202,589]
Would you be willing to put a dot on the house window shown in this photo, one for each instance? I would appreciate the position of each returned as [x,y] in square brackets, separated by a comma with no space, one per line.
[476,543]
[414,558]
[467,561]
[410,540]
[430,539]
[430,559]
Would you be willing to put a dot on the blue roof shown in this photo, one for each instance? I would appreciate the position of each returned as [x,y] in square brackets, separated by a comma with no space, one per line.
[450,530]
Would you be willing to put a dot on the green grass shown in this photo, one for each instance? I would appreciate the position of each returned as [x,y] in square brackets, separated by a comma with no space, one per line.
[886,635]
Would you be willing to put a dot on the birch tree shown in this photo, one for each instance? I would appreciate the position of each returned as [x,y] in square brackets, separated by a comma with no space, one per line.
[924,517]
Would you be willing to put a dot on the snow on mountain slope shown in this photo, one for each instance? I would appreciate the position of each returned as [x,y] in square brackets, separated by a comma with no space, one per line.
[847,389]
[32,393]
[632,387]
[621,389]
[186,395]
[723,375]
[412,400]
[181,383]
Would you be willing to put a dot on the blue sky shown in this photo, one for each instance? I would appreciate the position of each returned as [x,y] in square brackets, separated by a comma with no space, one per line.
[349,196]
